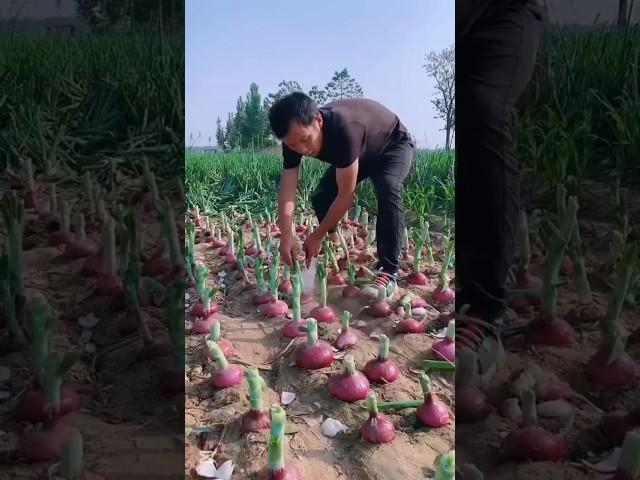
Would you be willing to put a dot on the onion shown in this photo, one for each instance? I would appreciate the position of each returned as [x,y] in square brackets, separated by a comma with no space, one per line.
[471,402]
[32,406]
[256,419]
[346,338]
[225,375]
[409,324]
[377,428]
[381,369]
[445,349]
[617,424]
[433,412]
[314,354]
[277,469]
[380,307]
[214,335]
[45,445]
[349,385]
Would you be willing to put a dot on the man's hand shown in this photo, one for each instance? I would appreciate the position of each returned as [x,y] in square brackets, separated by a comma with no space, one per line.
[288,248]
[312,246]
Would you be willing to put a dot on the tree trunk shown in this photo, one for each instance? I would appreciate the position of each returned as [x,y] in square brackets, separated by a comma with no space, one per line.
[448,141]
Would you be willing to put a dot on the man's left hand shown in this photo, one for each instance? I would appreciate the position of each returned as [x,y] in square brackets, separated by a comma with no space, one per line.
[312,246]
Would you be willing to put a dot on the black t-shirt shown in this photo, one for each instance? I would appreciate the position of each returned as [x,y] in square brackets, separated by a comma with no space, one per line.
[352,128]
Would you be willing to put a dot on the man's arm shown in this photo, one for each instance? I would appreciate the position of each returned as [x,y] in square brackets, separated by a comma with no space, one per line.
[347,179]
[287,199]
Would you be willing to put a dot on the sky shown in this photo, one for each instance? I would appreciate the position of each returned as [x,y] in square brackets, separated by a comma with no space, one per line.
[383,44]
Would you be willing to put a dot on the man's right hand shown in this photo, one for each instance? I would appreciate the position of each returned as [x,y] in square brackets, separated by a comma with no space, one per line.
[288,249]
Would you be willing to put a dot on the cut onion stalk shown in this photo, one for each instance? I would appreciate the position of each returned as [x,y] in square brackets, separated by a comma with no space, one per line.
[445,349]
[446,468]
[277,468]
[200,310]
[617,424]
[524,280]
[33,192]
[172,379]
[531,442]
[255,249]
[295,327]
[81,247]
[225,375]
[263,296]
[335,277]
[409,324]
[256,419]
[275,308]
[380,307]
[629,464]
[351,290]
[214,335]
[323,313]
[215,240]
[314,354]
[382,369]
[550,329]
[366,255]
[109,283]
[285,284]
[377,428]
[63,236]
[347,338]
[350,385]
[433,412]
[443,293]
[417,277]
[611,365]
[230,257]
[49,217]
[176,257]
[472,404]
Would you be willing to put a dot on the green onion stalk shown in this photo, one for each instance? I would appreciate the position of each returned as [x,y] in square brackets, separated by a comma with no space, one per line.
[446,466]
[171,233]
[90,198]
[12,211]
[248,217]
[80,227]
[175,318]
[274,271]
[53,198]
[55,367]
[556,245]
[65,216]
[41,327]
[443,279]
[427,236]
[146,171]
[343,244]
[242,269]
[420,238]
[276,463]
[405,240]
[28,168]
[612,337]
[321,273]
[190,263]
[529,408]
[356,213]
[257,242]
[629,464]
[256,386]
[576,249]
[72,457]
[259,274]
[351,274]
[364,219]
[202,273]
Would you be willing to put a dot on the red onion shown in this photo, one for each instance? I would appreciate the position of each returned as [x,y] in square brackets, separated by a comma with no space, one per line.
[377,428]
[226,375]
[347,338]
[214,335]
[380,307]
[45,445]
[433,412]
[256,419]
[350,385]
[32,405]
[313,354]
[381,369]
[445,349]
[409,324]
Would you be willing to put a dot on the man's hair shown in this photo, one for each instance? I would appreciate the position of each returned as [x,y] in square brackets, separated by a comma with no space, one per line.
[295,106]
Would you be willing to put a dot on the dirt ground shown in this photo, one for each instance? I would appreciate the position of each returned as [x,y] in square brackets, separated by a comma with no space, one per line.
[258,341]
[125,422]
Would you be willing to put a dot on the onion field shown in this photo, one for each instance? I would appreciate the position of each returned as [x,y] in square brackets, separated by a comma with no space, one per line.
[309,366]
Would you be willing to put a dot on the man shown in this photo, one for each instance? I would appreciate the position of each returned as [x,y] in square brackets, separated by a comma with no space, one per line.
[495,57]
[361,139]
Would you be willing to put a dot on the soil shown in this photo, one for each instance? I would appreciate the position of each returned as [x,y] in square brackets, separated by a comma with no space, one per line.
[258,341]
[129,429]
[479,443]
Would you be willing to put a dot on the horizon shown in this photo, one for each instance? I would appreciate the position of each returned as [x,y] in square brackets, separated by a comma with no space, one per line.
[256,49]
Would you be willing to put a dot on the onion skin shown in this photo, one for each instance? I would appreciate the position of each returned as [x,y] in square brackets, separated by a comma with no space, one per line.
[622,371]
[536,444]
[275,309]
[32,405]
[217,243]
[350,291]
[255,421]
[380,309]
[228,377]
[45,445]
[314,358]
[261,299]
[285,286]
[381,371]
[433,413]
[556,332]
[377,428]
[417,278]
[346,339]
[444,350]
[443,296]
[292,329]
[410,325]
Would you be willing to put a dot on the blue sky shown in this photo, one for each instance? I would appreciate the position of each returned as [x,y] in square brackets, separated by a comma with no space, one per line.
[382,43]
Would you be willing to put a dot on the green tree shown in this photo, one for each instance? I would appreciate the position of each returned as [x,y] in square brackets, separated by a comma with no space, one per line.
[284,88]
[320,96]
[255,118]
[343,85]
[229,134]
[441,67]
[219,134]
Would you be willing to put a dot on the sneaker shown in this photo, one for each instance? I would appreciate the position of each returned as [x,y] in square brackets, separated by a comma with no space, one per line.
[381,279]
[484,339]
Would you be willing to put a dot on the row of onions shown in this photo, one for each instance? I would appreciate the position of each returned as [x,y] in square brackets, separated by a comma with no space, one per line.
[124,281]
[249,255]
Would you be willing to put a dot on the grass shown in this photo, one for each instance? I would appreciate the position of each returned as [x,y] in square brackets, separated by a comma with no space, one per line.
[224,181]
[85,101]
[579,115]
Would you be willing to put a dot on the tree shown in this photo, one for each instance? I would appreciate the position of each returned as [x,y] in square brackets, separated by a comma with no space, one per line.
[320,96]
[284,88]
[441,67]
[342,85]
[229,134]
[255,117]
[219,134]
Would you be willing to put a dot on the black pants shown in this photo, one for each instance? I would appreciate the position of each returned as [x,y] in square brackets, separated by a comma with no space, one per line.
[387,173]
[495,57]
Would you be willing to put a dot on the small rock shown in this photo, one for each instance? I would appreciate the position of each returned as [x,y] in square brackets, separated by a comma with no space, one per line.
[286,398]
[88,321]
